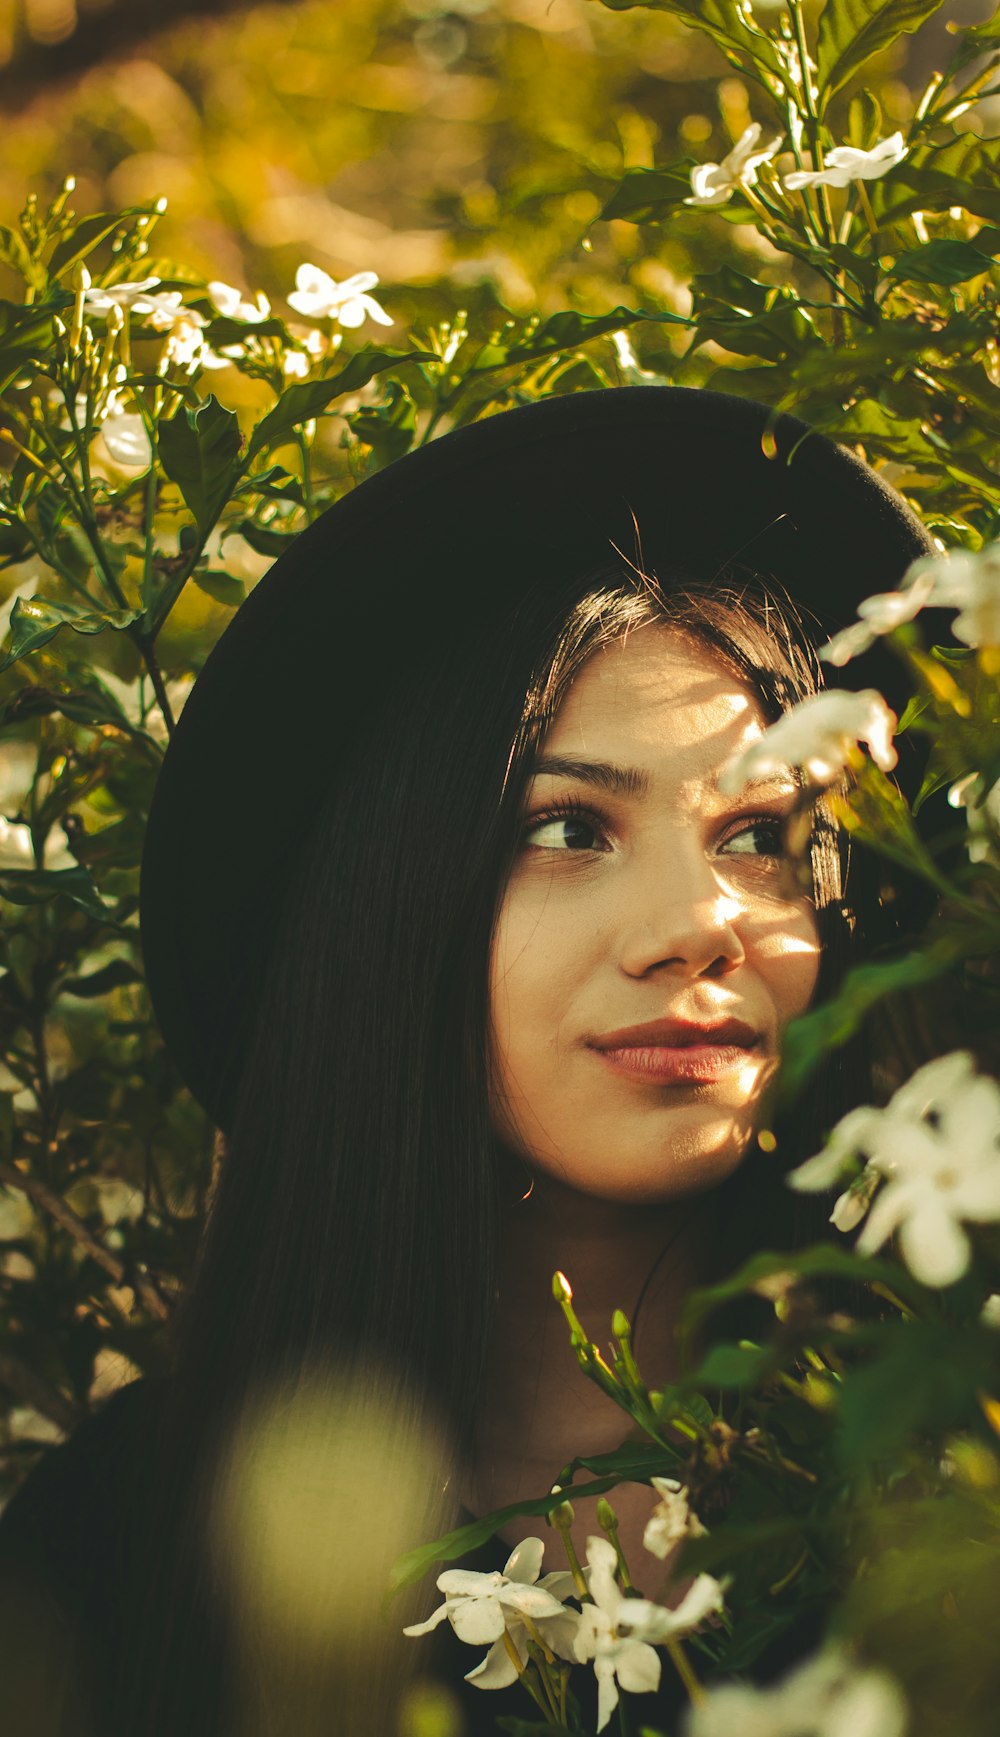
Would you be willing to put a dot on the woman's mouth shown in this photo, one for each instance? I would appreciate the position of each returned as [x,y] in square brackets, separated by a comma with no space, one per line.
[687,1064]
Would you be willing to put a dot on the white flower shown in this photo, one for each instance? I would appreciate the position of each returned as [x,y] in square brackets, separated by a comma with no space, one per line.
[957,579]
[825,1697]
[165,310]
[231,305]
[846,163]
[119,295]
[124,441]
[969,582]
[311,345]
[937,1146]
[818,734]
[633,1662]
[671,1519]
[982,813]
[645,1621]
[879,614]
[989,1314]
[483,1607]
[714,183]
[319,297]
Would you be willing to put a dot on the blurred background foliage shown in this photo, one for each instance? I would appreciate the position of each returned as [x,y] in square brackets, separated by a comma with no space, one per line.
[462,151]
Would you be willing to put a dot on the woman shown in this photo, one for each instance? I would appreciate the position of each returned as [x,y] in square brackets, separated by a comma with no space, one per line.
[413,1015]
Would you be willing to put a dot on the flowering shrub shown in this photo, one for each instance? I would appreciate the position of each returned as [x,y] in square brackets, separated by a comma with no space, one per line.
[165,437]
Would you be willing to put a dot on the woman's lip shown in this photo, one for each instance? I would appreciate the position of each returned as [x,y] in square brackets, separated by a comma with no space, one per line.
[691,1064]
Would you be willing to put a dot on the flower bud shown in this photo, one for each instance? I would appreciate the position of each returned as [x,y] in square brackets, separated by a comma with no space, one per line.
[607,1519]
[562,1290]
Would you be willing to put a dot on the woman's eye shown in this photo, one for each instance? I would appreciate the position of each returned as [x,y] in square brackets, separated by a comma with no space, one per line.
[760,838]
[571,830]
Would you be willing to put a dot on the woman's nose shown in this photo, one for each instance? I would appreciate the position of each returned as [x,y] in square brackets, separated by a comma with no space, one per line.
[682,915]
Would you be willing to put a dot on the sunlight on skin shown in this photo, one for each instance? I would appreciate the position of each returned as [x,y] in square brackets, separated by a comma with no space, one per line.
[659,899]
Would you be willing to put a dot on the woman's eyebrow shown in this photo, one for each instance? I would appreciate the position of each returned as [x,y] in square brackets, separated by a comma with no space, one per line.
[618,780]
[629,781]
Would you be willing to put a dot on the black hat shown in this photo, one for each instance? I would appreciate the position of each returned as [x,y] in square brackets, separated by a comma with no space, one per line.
[463,528]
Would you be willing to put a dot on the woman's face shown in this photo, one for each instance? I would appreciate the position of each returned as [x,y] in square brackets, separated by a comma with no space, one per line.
[642,895]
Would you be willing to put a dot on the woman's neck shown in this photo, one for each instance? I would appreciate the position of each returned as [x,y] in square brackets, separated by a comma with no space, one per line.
[538,1408]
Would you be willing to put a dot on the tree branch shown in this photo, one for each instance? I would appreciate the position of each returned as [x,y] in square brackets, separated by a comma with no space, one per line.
[64,1215]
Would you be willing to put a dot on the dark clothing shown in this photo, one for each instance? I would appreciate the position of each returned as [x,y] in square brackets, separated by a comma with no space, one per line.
[79,1557]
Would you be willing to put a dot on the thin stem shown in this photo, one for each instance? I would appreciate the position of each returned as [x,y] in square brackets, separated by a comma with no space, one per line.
[522,1673]
[682,1665]
[147,648]
[307,488]
[866,206]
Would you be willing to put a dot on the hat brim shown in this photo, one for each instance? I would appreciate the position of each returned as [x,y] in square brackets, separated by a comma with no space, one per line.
[677,478]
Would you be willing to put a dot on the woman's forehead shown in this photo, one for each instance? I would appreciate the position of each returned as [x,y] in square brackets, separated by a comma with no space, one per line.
[660,688]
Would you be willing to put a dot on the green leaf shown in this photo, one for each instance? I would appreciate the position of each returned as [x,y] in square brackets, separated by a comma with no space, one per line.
[864,121]
[633,1462]
[808,1038]
[198,451]
[731,26]
[265,541]
[851,32]
[82,240]
[36,886]
[564,331]
[26,335]
[36,620]
[646,194]
[222,586]
[822,1260]
[942,261]
[300,403]
[14,252]
[111,976]
[223,332]
[962,171]
[411,1567]
[925,1376]
[737,1366]
[387,428]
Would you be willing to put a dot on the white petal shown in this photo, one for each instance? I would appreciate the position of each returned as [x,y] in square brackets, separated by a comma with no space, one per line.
[496,1670]
[533,1601]
[432,1621]
[848,643]
[477,1621]
[603,1586]
[525,1561]
[934,1246]
[313,281]
[350,287]
[466,1583]
[638,1668]
[376,312]
[872,1705]
[977,1196]
[127,441]
[607,1693]
[937,1079]
[592,1631]
[559,1632]
[350,313]
[896,1200]
[703,1597]
[560,1583]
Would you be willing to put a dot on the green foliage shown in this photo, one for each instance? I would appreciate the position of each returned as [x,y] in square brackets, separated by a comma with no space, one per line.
[138,507]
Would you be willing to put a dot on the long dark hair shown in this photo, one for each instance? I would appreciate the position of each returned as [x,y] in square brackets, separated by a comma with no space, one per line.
[357,1202]
[357,1209]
